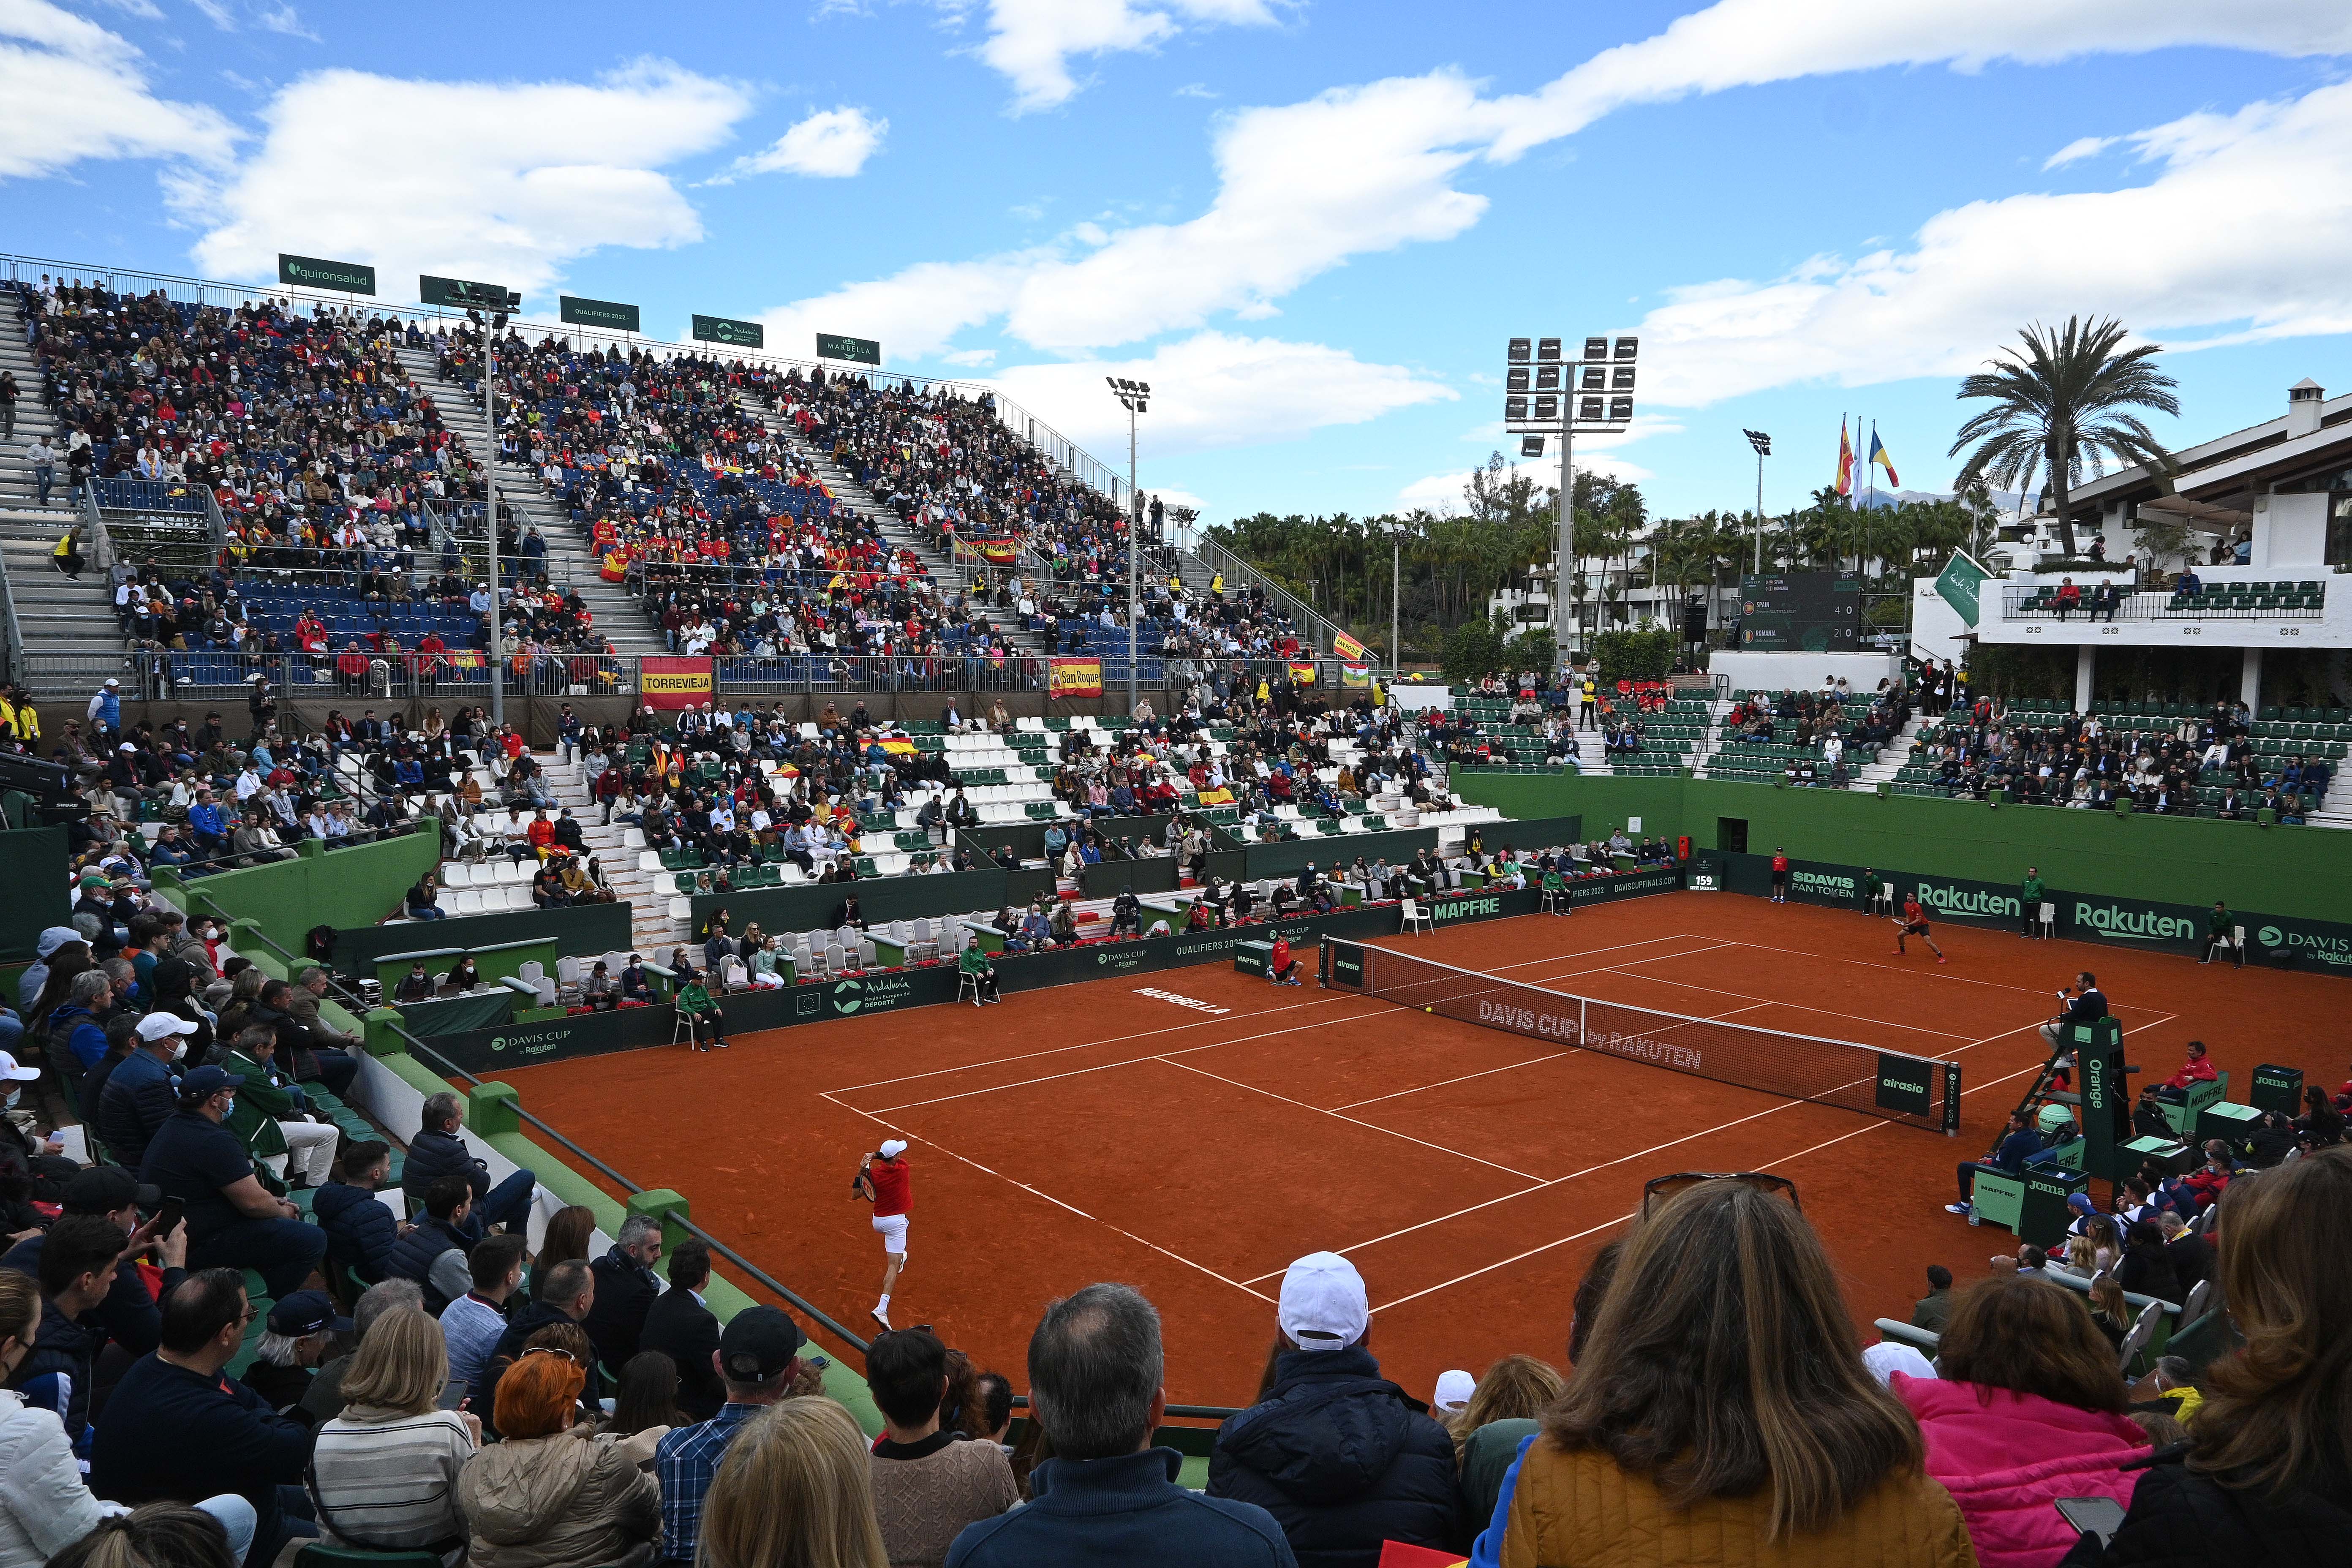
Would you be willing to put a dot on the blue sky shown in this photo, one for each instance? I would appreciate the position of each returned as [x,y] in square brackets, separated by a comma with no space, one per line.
[1312,228]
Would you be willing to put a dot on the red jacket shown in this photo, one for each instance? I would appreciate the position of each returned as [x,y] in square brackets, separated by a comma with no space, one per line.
[2007,1458]
[2197,1069]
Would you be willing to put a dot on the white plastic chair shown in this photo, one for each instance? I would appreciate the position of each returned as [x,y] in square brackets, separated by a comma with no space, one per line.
[465,901]
[1415,917]
[682,909]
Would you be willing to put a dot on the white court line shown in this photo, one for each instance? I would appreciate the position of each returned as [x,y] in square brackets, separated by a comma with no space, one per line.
[1794,1007]
[1620,1219]
[1466,1077]
[1058,1203]
[1369,1126]
[1587,953]
[1086,1046]
[1639,1154]
[1108,1066]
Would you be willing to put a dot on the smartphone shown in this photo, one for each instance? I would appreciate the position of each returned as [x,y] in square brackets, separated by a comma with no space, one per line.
[2094,1516]
[168,1217]
[453,1393]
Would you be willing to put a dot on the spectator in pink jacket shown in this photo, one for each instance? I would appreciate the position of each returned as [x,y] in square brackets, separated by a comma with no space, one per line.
[2030,1409]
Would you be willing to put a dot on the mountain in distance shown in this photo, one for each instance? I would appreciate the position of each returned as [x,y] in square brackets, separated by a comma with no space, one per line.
[2004,501]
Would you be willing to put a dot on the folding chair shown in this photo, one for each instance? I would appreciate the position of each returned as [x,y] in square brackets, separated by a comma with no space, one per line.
[2143,1332]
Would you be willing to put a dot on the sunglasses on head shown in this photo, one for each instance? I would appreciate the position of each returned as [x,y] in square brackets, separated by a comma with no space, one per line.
[1659,1188]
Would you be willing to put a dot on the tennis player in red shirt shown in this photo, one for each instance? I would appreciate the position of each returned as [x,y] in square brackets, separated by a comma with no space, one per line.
[885,1180]
[1914,923]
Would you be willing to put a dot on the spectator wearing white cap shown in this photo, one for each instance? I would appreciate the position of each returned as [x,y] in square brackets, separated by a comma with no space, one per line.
[1342,1458]
[884,1180]
[1455,1388]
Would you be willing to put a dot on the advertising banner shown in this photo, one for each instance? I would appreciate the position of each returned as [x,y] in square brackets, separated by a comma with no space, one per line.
[310,272]
[1075,677]
[725,329]
[674,683]
[857,351]
[577,312]
[1960,584]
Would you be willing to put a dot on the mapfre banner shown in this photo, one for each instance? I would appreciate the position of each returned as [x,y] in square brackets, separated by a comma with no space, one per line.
[1076,677]
[670,683]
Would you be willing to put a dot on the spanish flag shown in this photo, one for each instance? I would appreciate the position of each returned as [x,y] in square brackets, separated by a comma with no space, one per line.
[1878,456]
[897,748]
[1846,461]
[1218,796]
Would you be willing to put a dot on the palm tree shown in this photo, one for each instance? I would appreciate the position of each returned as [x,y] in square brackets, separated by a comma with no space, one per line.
[2063,401]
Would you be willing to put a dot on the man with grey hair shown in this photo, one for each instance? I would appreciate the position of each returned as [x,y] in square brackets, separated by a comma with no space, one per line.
[1108,1495]
[627,1286]
[439,1149]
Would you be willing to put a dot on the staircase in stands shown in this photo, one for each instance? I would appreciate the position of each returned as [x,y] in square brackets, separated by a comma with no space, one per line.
[572,558]
[55,614]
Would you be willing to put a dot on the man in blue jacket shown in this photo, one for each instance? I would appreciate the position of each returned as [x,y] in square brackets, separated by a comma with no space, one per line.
[1108,1497]
[1341,1458]
[438,1150]
[2018,1144]
[359,1227]
[140,1094]
[178,1426]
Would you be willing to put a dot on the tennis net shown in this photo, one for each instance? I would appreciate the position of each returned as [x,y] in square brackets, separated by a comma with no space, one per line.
[1919,1092]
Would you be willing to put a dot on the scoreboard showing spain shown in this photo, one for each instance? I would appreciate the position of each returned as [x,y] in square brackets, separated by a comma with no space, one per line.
[1801,612]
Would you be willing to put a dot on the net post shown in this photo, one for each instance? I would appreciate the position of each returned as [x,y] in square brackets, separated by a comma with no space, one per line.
[1323,966]
[1951,1099]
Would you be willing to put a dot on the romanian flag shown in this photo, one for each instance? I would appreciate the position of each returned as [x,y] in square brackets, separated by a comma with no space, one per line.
[1878,456]
[1846,462]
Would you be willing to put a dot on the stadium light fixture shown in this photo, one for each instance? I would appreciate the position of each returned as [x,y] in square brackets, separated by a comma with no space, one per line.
[1548,393]
[1134,396]
[496,300]
[1763,445]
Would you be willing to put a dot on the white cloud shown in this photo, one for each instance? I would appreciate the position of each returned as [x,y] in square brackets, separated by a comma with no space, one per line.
[1303,187]
[1031,42]
[2077,150]
[832,144]
[1214,389]
[2153,255]
[500,180]
[69,89]
[1746,43]
[1359,170]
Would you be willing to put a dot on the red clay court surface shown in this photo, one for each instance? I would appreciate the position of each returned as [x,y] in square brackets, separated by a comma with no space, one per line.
[1098,1131]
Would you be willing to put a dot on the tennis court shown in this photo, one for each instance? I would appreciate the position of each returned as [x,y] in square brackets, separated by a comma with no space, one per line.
[1192,1131]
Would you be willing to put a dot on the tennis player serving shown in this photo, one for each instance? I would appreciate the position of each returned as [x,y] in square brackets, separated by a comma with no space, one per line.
[1913,923]
[885,1180]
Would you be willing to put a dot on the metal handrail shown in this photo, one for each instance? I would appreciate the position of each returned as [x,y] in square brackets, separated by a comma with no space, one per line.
[24,269]
[101,545]
[15,646]
[2150,604]
[449,1068]
[1309,620]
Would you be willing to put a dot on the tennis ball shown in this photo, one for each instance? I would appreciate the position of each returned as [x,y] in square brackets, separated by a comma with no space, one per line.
[1428,1009]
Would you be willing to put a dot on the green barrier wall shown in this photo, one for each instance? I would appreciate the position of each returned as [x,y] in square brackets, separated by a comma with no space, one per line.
[811,906]
[493,964]
[33,862]
[589,930]
[2116,873]
[353,887]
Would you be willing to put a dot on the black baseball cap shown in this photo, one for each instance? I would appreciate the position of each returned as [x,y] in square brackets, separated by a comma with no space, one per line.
[304,1313]
[757,1343]
[103,1189]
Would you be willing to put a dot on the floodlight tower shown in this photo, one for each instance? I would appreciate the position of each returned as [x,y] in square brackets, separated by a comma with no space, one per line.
[1546,394]
[1763,445]
[478,298]
[1135,397]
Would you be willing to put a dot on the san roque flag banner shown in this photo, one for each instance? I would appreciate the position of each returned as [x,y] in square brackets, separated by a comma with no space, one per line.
[674,683]
[1076,678]
[1302,672]
[1348,648]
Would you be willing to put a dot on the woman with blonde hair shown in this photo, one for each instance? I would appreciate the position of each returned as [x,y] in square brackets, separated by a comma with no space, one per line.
[2267,1475]
[1516,1388]
[383,1474]
[794,1492]
[551,1495]
[1721,1404]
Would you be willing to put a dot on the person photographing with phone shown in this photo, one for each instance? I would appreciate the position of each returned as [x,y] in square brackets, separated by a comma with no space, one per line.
[885,1180]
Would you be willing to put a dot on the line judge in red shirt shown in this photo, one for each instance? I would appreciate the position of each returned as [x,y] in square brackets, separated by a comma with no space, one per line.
[884,1180]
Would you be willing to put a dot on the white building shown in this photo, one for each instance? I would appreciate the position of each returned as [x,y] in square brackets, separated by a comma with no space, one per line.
[2275,496]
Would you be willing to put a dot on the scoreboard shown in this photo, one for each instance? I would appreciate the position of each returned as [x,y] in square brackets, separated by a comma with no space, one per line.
[1801,612]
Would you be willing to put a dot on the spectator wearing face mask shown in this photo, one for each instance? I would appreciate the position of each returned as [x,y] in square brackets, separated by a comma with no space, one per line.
[140,1095]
